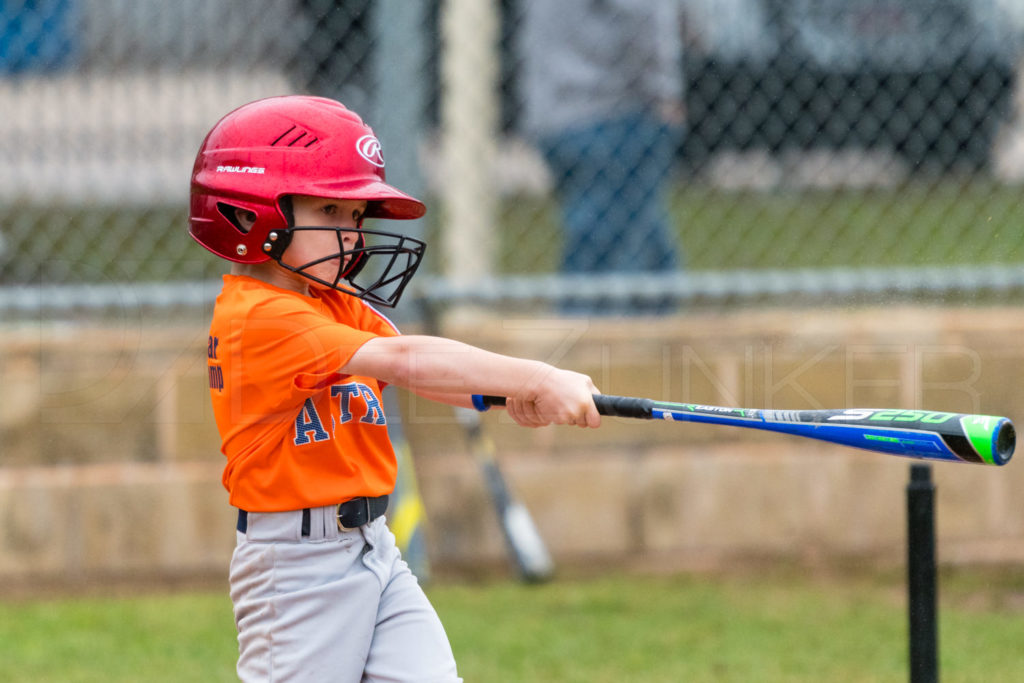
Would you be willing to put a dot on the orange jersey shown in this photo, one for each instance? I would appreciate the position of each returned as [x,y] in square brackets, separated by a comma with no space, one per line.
[297,433]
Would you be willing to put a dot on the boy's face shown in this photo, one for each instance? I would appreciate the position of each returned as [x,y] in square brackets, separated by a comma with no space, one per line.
[309,245]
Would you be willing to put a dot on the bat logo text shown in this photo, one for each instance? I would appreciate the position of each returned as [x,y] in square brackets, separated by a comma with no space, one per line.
[923,416]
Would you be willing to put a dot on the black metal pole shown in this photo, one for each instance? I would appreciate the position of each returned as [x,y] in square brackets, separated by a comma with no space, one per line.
[921,576]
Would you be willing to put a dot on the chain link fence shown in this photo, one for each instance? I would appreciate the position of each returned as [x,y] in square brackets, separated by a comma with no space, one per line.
[678,148]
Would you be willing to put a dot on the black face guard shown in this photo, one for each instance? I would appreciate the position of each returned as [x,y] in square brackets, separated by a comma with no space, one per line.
[383,262]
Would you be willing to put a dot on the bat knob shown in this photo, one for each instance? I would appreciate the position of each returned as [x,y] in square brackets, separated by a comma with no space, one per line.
[1006,441]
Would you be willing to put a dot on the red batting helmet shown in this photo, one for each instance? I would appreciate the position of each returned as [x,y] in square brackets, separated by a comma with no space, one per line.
[280,146]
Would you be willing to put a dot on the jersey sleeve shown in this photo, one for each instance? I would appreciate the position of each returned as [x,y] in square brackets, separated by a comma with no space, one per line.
[290,352]
[365,319]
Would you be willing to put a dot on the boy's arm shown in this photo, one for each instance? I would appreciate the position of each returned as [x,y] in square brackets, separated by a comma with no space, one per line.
[435,367]
[457,400]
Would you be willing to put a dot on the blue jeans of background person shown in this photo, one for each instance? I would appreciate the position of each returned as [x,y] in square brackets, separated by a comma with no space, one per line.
[610,177]
[37,35]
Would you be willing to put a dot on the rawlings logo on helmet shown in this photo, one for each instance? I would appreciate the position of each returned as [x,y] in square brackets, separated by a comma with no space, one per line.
[241,169]
[368,147]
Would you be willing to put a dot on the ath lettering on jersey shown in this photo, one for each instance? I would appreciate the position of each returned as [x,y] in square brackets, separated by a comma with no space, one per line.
[309,427]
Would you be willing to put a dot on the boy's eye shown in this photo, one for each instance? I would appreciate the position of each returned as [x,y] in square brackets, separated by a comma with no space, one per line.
[330,209]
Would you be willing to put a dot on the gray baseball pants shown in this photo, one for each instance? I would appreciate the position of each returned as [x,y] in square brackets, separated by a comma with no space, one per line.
[336,605]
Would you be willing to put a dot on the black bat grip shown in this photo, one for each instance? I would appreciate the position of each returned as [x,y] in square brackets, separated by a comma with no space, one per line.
[483,402]
[624,406]
[616,406]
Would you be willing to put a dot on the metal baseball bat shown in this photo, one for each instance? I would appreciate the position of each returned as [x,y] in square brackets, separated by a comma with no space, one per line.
[929,435]
[523,541]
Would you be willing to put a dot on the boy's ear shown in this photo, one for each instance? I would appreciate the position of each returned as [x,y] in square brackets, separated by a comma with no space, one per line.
[243,219]
[246,219]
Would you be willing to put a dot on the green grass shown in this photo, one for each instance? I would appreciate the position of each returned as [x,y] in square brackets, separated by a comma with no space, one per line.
[782,626]
[947,223]
[950,221]
[181,637]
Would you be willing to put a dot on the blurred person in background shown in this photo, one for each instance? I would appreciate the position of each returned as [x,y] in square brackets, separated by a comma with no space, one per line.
[38,35]
[601,85]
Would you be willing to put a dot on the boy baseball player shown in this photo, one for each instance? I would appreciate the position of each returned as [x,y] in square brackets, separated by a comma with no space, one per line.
[297,357]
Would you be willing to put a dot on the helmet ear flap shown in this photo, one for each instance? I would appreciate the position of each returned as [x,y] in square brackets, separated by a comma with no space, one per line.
[287,209]
[277,241]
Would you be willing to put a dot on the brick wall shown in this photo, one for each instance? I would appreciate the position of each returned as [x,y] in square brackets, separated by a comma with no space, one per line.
[110,464]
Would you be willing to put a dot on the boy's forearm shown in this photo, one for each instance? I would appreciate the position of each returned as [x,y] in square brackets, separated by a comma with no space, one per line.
[460,400]
[437,366]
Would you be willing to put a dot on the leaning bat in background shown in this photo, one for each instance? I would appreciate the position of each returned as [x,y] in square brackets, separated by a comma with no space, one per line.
[522,539]
[955,437]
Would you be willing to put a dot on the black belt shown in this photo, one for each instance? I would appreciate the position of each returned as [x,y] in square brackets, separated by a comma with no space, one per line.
[351,514]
